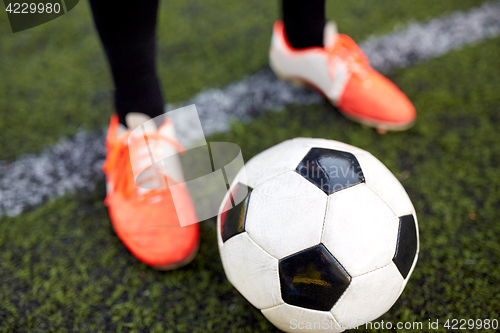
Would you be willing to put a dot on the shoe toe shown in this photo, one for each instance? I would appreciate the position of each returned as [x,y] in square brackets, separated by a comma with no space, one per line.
[164,246]
[375,99]
[151,235]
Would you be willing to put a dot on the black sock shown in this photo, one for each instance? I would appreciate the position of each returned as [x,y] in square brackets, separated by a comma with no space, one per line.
[128,34]
[304,22]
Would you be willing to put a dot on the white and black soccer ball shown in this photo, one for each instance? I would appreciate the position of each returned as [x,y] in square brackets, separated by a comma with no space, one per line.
[322,236]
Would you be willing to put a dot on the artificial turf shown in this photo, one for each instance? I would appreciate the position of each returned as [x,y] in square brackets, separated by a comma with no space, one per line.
[62,268]
[55,79]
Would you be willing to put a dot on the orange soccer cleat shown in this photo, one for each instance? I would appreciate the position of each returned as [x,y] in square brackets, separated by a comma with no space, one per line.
[142,210]
[342,73]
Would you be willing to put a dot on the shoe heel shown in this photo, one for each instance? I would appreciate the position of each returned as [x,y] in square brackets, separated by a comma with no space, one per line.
[294,81]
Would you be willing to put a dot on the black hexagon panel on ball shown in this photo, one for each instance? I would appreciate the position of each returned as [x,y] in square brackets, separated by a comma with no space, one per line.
[330,170]
[233,220]
[406,249]
[312,279]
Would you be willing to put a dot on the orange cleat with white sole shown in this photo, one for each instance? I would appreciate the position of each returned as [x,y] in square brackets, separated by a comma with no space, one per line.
[141,208]
[342,73]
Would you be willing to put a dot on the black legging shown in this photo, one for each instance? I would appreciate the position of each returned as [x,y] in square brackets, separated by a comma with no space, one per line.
[128,34]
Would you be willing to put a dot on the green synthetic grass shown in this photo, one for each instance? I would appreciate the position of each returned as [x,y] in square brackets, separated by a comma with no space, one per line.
[62,268]
[55,78]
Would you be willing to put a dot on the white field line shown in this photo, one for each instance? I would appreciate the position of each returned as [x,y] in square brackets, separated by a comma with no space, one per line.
[74,163]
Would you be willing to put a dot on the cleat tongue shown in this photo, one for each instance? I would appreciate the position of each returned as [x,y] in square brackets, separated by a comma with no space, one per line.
[330,34]
[135,119]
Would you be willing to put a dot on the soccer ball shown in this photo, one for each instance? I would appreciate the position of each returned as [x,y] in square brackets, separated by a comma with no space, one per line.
[318,235]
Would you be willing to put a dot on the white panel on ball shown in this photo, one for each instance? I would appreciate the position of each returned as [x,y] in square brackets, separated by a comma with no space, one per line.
[252,271]
[382,181]
[274,161]
[360,229]
[323,143]
[369,296]
[289,318]
[286,214]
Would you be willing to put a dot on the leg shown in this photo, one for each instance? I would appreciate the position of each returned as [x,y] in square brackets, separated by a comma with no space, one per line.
[141,208]
[128,34]
[304,22]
